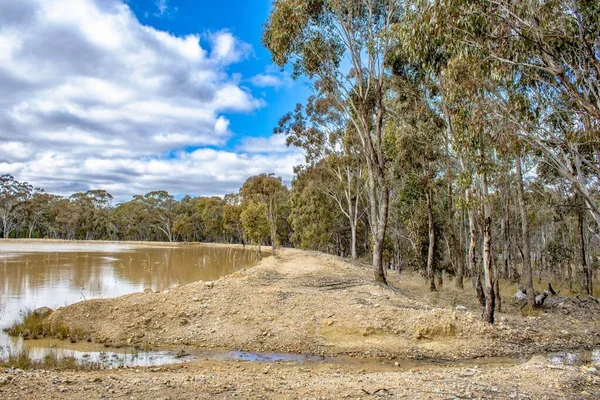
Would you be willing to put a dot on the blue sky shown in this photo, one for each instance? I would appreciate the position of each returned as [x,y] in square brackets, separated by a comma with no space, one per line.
[244,19]
[138,95]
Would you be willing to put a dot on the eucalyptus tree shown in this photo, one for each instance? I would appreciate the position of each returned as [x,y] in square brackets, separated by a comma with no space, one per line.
[255,222]
[36,211]
[342,46]
[160,208]
[93,208]
[13,195]
[330,144]
[264,192]
[552,47]
[316,219]
[418,133]
[232,225]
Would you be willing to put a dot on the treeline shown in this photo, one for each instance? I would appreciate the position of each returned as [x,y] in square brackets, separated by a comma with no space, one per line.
[451,135]
[252,215]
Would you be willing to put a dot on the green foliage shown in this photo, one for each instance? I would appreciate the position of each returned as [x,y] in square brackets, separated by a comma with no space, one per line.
[315,218]
[22,359]
[36,326]
[255,222]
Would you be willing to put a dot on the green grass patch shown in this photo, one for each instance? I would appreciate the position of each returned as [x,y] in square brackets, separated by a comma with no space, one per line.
[22,359]
[34,325]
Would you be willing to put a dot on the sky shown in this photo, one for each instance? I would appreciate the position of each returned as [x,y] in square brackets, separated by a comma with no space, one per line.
[132,96]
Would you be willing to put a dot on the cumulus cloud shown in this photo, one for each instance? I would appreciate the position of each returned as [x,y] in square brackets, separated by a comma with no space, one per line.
[93,98]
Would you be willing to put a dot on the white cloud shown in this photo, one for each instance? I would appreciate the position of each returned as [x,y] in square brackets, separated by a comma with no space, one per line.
[271,144]
[93,98]
[163,9]
[272,77]
[204,171]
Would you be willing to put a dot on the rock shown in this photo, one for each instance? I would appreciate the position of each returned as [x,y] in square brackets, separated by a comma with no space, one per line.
[460,308]
[184,322]
[147,290]
[209,284]
[43,311]
[5,380]
[537,360]
[195,299]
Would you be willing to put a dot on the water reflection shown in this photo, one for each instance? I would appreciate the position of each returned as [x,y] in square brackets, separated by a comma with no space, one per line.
[34,274]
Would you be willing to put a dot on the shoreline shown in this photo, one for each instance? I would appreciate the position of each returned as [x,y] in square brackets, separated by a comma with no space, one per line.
[311,303]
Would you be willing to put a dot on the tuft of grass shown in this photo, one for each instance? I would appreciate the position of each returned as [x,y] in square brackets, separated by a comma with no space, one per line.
[22,359]
[527,311]
[36,326]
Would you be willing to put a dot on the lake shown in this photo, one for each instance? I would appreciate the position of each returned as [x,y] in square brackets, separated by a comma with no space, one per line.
[55,274]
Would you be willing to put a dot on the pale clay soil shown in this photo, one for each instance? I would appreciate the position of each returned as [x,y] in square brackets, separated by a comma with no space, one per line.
[312,303]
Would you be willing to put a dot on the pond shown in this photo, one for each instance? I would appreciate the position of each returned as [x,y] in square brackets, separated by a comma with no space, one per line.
[55,274]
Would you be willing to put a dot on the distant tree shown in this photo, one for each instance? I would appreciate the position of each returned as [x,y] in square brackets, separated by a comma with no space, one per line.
[267,190]
[255,222]
[160,206]
[13,195]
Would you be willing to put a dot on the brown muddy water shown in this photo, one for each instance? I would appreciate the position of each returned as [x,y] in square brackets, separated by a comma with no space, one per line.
[55,274]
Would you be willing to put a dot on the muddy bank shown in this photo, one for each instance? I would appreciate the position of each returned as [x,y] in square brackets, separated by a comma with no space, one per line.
[312,303]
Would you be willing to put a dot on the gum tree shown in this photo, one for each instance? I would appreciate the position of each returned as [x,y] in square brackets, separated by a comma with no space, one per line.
[342,47]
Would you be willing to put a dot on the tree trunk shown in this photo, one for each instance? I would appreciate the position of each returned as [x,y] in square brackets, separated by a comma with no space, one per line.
[455,242]
[430,251]
[527,269]
[273,236]
[475,273]
[379,214]
[513,274]
[5,230]
[487,254]
[498,299]
[379,237]
[353,239]
[585,273]
[439,279]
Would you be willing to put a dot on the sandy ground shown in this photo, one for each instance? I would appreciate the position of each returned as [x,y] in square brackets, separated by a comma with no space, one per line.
[225,380]
[312,303]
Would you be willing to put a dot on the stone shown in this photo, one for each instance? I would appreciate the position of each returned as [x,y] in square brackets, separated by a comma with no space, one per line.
[43,311]
[460,308]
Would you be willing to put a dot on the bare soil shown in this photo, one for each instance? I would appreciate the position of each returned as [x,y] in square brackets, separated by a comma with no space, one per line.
[312,303]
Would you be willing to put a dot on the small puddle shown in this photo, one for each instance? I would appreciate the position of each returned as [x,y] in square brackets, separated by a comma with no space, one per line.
[92,354]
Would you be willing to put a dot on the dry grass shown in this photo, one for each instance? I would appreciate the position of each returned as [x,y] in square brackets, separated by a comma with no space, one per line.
[22,359]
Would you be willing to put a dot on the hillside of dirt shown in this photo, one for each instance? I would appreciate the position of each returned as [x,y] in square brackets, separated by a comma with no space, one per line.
[313,303]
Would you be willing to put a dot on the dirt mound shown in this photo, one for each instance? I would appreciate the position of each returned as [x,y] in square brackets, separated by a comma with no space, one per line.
[307,302]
